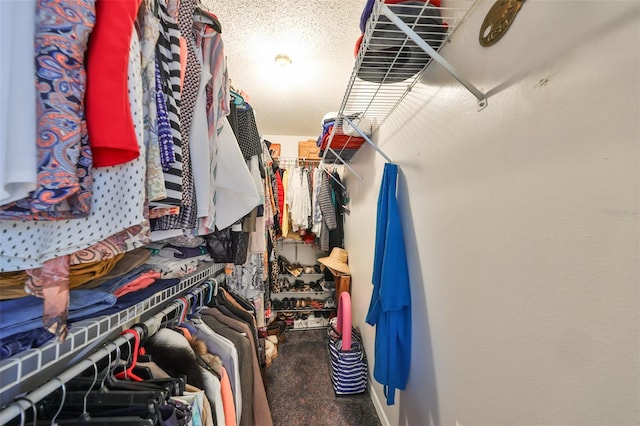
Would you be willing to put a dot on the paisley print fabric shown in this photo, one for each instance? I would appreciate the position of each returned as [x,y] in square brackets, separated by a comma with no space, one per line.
[64,184]
[51,282]
[119,204]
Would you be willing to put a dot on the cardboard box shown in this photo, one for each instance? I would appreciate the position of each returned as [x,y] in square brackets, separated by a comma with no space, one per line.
[308,150]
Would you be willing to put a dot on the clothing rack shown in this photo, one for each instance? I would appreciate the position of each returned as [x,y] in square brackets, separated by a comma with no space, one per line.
[298,161]
[28,364]
[174,313]
[308,162]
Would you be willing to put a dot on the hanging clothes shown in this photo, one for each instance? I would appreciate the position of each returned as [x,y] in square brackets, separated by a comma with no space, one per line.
[106,96]
[64,188]
[236,193]
[390,305]
[329,222]
[336,236]
[168,96]
[18,101]
[151,89]
[118,203]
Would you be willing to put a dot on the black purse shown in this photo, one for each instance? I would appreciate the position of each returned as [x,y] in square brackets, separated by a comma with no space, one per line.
[228,246]
[220,245]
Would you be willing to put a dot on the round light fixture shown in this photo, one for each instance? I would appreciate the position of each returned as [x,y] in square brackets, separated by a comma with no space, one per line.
[282,60]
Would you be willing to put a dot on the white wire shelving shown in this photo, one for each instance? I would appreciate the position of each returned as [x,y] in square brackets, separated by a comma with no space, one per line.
[399,44]
[17,371]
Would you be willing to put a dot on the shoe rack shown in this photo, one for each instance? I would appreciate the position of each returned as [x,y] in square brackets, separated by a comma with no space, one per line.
[306,300]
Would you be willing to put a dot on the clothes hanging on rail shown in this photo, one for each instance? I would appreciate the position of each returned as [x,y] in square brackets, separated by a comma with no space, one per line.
[106,95]
[64,187]
[164,100]
[118,203]
[18,166]
[168,76]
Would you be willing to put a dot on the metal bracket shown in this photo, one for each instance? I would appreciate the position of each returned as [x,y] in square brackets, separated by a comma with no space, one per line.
[480,96]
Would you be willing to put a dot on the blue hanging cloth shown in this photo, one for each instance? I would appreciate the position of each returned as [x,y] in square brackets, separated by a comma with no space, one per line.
[390,306]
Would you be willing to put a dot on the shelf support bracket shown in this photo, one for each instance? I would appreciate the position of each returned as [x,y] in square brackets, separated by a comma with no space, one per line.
[369,141]
[344,162]
[481,97]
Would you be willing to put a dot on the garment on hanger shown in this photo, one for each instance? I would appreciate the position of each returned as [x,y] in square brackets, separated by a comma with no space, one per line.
[106,97]
[187,218]
[64,182]
[168,97]
[261,411]
[329,221]
[390,305]
[149,25]
[243,347]
[18,102]
[236,192]
[118,204]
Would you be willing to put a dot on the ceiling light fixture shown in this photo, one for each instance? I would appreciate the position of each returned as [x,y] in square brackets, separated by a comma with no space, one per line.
[283,60]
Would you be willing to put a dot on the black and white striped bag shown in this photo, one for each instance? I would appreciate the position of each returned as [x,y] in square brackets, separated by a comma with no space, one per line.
[347,359]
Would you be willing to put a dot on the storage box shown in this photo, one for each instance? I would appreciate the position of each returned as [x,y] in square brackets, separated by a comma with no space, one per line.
[309,150]
[313,322]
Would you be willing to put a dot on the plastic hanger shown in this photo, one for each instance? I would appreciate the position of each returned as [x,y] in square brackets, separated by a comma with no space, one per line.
[128,371]
[237,98]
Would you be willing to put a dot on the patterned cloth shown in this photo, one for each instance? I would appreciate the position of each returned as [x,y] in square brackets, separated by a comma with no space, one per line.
[150,31]
[64,158]
[165,138]
[118,206]
[168,57]
[248,136]
[51,282]
[188,214]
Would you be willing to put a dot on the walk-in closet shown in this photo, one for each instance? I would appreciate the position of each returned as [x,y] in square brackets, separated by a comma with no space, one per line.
[371,212]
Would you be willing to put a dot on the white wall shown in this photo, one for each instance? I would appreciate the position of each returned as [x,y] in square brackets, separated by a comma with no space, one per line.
[289,143]
[522,224]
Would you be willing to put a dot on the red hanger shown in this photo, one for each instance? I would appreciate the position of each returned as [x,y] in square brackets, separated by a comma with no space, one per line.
[128,373]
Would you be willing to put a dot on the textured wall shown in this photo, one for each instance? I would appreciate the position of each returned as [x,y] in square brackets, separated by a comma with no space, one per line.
[522,224]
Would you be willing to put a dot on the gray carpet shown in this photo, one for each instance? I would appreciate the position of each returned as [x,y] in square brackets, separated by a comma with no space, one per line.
[299,388]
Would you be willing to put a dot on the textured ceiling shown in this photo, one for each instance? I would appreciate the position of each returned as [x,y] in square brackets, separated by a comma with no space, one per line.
[318,35]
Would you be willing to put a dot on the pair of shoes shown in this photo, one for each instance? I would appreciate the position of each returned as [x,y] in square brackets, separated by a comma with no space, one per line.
[287,303]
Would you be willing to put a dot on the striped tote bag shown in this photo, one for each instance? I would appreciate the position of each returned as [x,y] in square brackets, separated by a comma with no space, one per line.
[347,359]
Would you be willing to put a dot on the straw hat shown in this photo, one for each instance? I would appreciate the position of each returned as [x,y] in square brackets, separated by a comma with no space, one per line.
[337,261]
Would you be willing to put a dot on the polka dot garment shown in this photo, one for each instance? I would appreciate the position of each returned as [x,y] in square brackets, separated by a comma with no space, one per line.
[118,201]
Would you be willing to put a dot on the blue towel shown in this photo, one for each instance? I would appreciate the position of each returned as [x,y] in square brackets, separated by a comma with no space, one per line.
[390,306]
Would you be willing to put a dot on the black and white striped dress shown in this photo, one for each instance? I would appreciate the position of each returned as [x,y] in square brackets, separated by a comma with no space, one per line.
[168,54]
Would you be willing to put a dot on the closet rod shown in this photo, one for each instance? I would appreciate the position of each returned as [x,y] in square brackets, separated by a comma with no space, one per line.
[482,98]
[330,174]
[25,402]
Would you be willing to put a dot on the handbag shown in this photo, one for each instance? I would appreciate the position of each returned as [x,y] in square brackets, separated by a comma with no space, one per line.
[348,361]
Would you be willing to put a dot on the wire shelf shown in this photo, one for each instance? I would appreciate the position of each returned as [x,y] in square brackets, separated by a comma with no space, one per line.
[400,42]
[83,335]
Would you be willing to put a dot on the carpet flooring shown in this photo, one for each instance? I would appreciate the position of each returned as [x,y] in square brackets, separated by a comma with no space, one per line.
[299,388]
